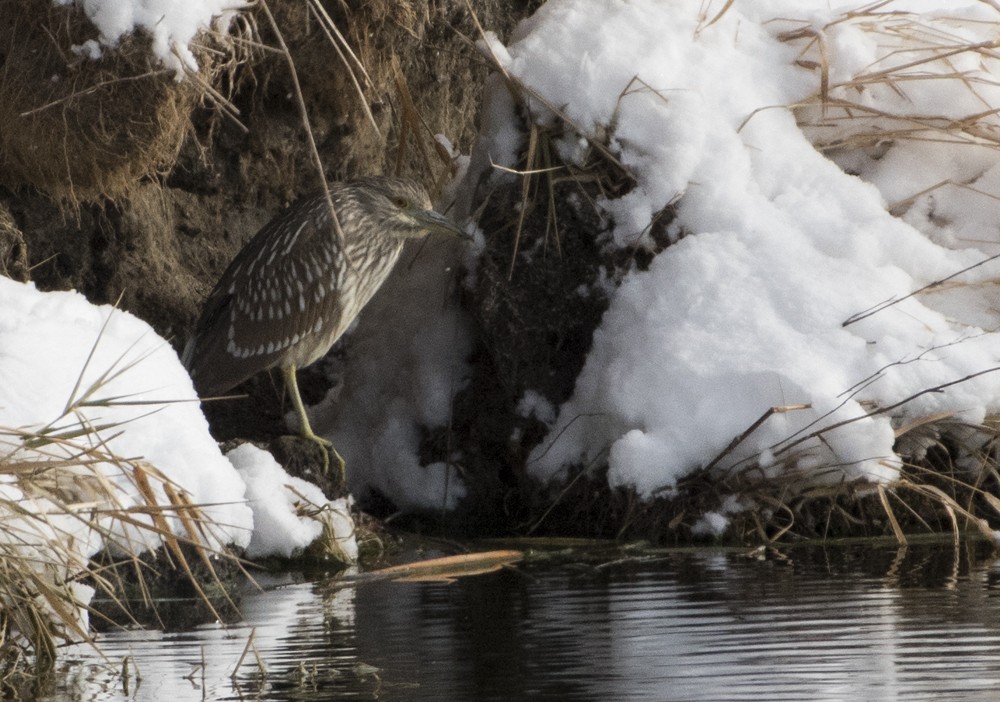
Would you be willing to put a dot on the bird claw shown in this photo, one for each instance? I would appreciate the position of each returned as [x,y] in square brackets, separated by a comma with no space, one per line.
[327,448]
[341,465]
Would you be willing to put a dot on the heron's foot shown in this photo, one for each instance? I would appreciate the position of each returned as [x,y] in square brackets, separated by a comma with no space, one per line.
[341,466]
[328,448]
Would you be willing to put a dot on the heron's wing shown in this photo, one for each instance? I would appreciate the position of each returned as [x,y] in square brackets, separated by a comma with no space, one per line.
[276,303]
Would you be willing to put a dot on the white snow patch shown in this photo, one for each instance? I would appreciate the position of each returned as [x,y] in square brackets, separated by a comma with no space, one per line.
[714,523]
[289,513]
[147,402]
[172,24]
[534,404]
[747,313]
[710,524]
[56,347]
[90,49]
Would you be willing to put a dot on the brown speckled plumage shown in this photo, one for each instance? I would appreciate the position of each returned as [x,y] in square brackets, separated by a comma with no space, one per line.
[291,292]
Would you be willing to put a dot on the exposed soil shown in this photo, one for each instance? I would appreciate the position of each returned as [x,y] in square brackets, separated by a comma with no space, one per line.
[132,187]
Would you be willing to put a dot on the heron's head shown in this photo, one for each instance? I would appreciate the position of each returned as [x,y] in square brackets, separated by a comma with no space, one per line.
[407,208]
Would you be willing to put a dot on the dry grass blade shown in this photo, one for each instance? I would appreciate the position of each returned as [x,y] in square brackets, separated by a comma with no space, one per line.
[718,15]
[924,421]
[448,568]
[949,479]
[876,104]
[96,88]
[172,543]
[891,515]
[410,122]
[226,107]
[930,286]
[59,512]
[887,410]
[993,501]
[953,509]
[246,651]
[770,412]
[300,102]
[781,506]
[334,539]
[344,52]
[526,198]
[566,490]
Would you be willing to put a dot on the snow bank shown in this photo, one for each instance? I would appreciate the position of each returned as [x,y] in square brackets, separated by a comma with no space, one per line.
[785,244]
[58,351]
[125,383]
[747,312]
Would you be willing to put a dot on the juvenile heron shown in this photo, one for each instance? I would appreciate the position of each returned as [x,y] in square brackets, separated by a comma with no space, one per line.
[293,289]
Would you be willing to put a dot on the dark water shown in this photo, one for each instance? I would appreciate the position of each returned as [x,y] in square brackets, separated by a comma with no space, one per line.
[836,623]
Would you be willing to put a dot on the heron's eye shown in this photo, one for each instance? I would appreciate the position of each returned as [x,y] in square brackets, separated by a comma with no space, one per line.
[401,202]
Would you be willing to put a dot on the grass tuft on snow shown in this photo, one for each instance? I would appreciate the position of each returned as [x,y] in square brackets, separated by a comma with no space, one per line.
[64,497]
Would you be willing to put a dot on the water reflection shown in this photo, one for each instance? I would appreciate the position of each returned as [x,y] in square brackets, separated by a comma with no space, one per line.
[818,624]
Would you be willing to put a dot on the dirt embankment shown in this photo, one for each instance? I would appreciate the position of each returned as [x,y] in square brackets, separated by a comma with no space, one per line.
[120,181]
[128,184]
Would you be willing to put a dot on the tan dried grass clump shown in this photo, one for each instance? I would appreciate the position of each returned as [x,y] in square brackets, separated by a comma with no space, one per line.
[60,501]
[947,482]
[863,107]
[78,128]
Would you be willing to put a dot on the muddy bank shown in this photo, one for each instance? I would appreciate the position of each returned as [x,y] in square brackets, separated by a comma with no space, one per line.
[133,187]
[136,188]
[151,215]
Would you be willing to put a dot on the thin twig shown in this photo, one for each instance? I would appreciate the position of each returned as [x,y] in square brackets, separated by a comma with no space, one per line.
[889,303]
[750,430]
[887,409]
[304,115]
[337,39]
[94,88]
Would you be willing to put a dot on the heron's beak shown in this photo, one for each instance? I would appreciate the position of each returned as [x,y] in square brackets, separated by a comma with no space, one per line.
[437,223]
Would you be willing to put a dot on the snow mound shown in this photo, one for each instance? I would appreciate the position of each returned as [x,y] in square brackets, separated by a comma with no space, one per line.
[67,365]
[761,305]
[290,513]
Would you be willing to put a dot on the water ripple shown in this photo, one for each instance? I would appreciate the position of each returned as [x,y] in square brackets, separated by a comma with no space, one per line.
[826,625]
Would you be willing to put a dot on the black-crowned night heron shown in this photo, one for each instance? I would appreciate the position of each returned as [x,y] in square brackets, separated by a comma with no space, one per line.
[293,289]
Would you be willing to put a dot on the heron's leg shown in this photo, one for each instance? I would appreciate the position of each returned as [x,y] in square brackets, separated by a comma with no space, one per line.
[305,429]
